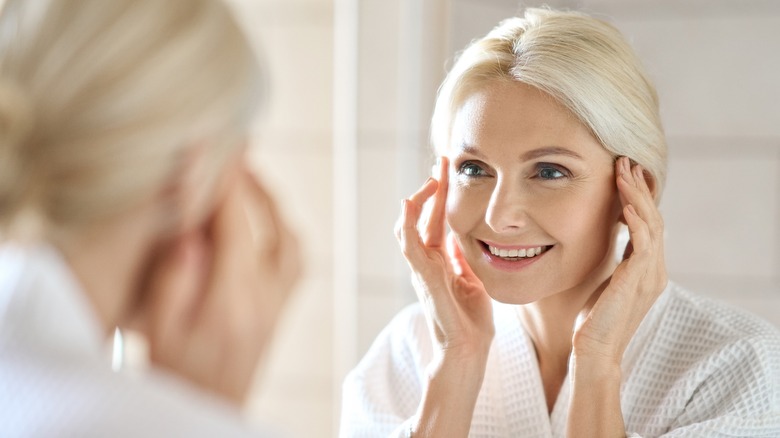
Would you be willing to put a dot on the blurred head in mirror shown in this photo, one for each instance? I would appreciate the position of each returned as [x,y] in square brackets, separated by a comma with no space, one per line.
[124,193]
[546,103]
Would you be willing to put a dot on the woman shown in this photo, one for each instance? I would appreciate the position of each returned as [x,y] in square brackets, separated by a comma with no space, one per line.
[125,202]
[550,141]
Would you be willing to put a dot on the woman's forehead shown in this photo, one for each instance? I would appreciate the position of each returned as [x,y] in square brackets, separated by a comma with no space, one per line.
[519,118]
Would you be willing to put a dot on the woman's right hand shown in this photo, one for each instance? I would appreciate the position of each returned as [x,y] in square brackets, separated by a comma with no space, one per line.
[457,308]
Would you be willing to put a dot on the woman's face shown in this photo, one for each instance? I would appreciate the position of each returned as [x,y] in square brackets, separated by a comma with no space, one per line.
[532,197]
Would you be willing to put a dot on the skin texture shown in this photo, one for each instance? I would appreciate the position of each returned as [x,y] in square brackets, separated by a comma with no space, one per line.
[495,185]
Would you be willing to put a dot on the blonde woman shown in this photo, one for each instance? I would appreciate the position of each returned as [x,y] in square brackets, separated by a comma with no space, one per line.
[550,142]
[125,202]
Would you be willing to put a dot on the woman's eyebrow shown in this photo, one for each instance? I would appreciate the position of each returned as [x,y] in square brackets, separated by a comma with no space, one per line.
[552,150]
[528,156]
[471,150]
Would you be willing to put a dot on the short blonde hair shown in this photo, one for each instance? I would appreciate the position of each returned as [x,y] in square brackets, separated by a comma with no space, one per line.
[582,62]
[99,100]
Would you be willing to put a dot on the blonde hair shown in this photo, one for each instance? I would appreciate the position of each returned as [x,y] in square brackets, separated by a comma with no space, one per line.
[582,62]
[99,101]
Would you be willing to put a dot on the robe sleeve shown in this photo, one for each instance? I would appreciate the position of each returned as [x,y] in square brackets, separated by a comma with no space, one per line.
[381,395]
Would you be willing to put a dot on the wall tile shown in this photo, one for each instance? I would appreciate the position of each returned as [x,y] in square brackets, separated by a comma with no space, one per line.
[715,76]
[378,65]
[299,179]
[299,60]
[721,212]
[379,206]
[758,295]
[379,301]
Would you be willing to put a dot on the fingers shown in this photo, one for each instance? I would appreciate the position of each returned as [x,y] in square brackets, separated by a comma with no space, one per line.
[435,226]
[634,191]
[406,231]
[411,209]
[427,190]
[638,230]
[632,187]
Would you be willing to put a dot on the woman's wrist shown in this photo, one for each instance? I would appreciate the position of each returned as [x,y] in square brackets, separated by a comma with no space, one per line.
[454,382]
[594,407]
[594,369]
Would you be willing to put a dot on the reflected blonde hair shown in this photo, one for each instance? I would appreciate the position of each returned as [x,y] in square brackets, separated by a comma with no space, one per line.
[100,101]
[582,62]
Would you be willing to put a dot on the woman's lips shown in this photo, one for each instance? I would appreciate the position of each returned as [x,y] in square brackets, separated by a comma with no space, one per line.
[512,258]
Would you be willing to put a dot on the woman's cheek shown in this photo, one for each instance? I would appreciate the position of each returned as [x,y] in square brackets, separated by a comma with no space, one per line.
[459,217]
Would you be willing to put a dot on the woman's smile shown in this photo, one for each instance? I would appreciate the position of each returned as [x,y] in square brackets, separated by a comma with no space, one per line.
[512,257]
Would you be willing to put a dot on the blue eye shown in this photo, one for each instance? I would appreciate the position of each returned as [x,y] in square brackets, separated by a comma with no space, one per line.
[550,173]
[471,169]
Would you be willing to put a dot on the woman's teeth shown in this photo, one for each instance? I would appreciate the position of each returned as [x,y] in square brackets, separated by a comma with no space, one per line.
[517,253]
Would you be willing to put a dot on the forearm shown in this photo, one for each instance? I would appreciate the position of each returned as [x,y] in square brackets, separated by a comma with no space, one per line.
[449,398]
[594,407]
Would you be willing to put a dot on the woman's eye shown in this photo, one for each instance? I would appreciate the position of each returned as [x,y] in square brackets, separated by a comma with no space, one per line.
[550,173]
[471,169]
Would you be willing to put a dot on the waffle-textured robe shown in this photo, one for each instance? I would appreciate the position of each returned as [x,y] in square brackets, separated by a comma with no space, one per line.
[55,374]
[695,368]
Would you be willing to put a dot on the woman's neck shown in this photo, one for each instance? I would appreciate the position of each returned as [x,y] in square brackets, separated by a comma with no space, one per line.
[550,325]
[108,261]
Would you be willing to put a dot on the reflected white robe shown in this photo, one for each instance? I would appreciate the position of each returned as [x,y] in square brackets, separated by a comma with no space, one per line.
[695,368]
[55,375]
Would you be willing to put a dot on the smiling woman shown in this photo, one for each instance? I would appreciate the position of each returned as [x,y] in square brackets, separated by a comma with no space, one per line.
[550,143]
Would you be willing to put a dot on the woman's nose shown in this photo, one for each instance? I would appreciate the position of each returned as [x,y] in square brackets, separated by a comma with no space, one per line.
[506,210]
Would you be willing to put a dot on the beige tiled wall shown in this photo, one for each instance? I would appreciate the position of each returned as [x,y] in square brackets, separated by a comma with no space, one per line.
[716,73]
[292,152]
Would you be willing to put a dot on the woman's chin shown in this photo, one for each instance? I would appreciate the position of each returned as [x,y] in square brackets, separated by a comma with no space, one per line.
[505,295]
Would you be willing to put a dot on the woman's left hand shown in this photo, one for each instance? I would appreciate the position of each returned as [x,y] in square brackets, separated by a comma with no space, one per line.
[605,328]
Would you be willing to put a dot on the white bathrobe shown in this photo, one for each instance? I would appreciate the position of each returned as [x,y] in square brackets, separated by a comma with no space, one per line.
[695,368]
[55,374]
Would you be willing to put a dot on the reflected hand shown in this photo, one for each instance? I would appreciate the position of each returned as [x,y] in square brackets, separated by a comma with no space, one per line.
[216,296]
